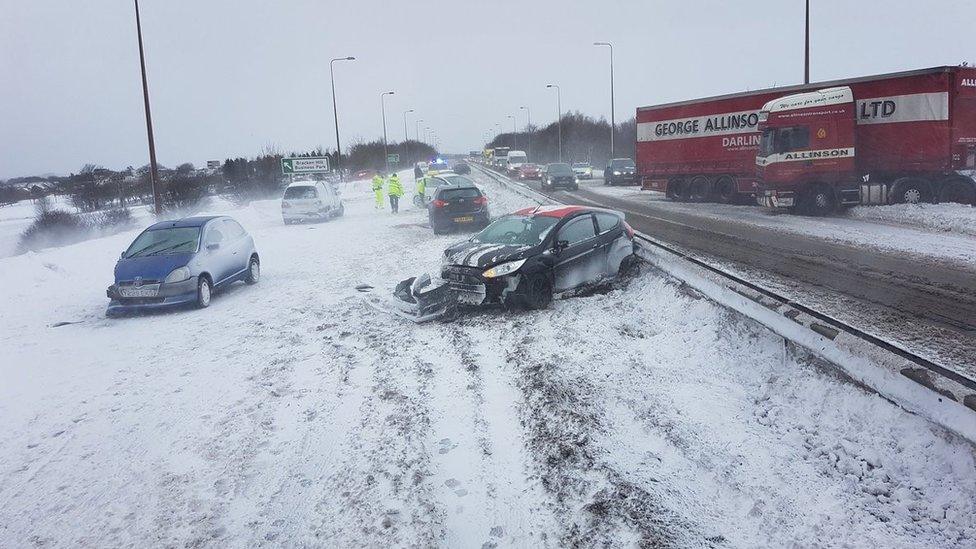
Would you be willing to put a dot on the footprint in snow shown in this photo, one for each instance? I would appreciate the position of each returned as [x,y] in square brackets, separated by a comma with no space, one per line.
[446,446]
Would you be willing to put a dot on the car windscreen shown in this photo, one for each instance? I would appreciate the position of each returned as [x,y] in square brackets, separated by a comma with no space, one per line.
[173,240]
[302,192]
[517,229]
[559,169]
[454,193]
[581,165]
[530,167]
[622,163]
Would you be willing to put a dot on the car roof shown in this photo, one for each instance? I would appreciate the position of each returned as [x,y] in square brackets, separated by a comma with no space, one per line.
[455,186]
[303,184]
[195,221]
[558,212]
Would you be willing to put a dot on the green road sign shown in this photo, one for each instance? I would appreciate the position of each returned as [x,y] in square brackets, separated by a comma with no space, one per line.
[306,164]
[393,158]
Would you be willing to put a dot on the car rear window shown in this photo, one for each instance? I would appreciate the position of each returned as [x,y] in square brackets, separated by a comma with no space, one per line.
[559,169]
[301,193]
[456,193]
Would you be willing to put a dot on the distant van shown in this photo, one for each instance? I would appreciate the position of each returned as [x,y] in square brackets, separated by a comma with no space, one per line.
[515,160]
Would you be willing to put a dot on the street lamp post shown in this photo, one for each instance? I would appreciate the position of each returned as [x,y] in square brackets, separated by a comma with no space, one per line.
[559,122]
[386,153]
[419,120]
[153,170]
[514,133]
[336,113]
[806,46]
[528,116]
[613,125]
[406,139]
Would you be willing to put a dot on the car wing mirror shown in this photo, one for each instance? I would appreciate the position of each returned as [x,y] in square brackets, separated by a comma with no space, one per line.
[561,245]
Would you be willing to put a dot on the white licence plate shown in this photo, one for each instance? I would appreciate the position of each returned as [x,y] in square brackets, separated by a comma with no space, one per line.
[140,291]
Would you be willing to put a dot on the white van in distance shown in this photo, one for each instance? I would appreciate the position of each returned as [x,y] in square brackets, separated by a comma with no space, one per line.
[310,200]
[515,161]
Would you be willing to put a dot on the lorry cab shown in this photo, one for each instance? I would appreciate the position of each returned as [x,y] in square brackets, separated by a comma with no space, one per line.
[806,147]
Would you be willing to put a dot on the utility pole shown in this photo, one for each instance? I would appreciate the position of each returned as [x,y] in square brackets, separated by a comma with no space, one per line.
[386,153]
[559,123]
[528,124]
[335,112]
[528,117]
[613,124]
[806,46]
[153,170]
[419,120]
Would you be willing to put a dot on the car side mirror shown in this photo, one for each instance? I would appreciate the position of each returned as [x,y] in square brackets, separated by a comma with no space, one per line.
[122,255]
[561,245]
[213,246]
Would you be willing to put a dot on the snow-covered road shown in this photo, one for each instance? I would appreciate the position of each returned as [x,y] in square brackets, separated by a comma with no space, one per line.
[291,414]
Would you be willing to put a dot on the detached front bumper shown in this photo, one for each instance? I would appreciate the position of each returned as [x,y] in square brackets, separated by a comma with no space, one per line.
[777,199]
[167,295]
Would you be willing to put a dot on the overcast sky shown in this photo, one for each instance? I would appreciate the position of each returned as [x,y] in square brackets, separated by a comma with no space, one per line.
[230,77]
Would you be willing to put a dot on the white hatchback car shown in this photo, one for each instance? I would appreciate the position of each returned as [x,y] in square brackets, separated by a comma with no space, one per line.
[310,200]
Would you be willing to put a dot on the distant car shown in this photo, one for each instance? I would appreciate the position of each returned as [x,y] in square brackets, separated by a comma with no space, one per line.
[182,262]
[620,171]
[559,175]
[461,168]
[458,206]
[437,168]
[310,201]
[583,170]
[364,174]
[523,258]
[515,161]
[529,171]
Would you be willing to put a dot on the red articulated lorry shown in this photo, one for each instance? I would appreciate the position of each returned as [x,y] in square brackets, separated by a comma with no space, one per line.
[901,137]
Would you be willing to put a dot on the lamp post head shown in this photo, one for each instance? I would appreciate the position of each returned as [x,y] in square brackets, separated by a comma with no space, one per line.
[350,58]
[602,44]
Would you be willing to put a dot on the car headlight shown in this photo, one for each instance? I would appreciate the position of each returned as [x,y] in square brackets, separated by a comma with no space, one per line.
[178,275]
[503,269]
[616,173]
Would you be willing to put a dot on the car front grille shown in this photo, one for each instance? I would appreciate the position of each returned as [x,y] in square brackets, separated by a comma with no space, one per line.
[137,283]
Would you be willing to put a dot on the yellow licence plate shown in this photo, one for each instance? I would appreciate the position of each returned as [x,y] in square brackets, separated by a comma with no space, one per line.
[465,219]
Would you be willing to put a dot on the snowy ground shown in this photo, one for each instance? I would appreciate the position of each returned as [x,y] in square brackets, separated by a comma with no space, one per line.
[289,413]
[933,231]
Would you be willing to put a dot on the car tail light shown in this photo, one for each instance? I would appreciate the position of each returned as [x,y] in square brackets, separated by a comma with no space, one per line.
[481,200]
[439,203]
[629,229]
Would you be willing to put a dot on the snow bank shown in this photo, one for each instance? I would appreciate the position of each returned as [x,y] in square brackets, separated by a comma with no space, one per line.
[949,218]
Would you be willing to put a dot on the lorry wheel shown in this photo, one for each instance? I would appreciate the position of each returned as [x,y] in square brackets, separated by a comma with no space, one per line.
[680,190]
[818,201]
[725,189]
[911,190]
[959,190]
[698,189]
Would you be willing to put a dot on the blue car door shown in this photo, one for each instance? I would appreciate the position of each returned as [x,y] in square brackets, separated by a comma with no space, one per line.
[239,243]
[216,248]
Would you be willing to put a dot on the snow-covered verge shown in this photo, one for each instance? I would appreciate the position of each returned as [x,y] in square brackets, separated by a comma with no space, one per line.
[291,414]
[919,230]
[949,218]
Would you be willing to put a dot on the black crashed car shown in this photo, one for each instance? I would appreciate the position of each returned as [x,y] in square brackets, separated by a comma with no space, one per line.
[457,206]
[620,171]
[559,175]
[462,168]
[522,259]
